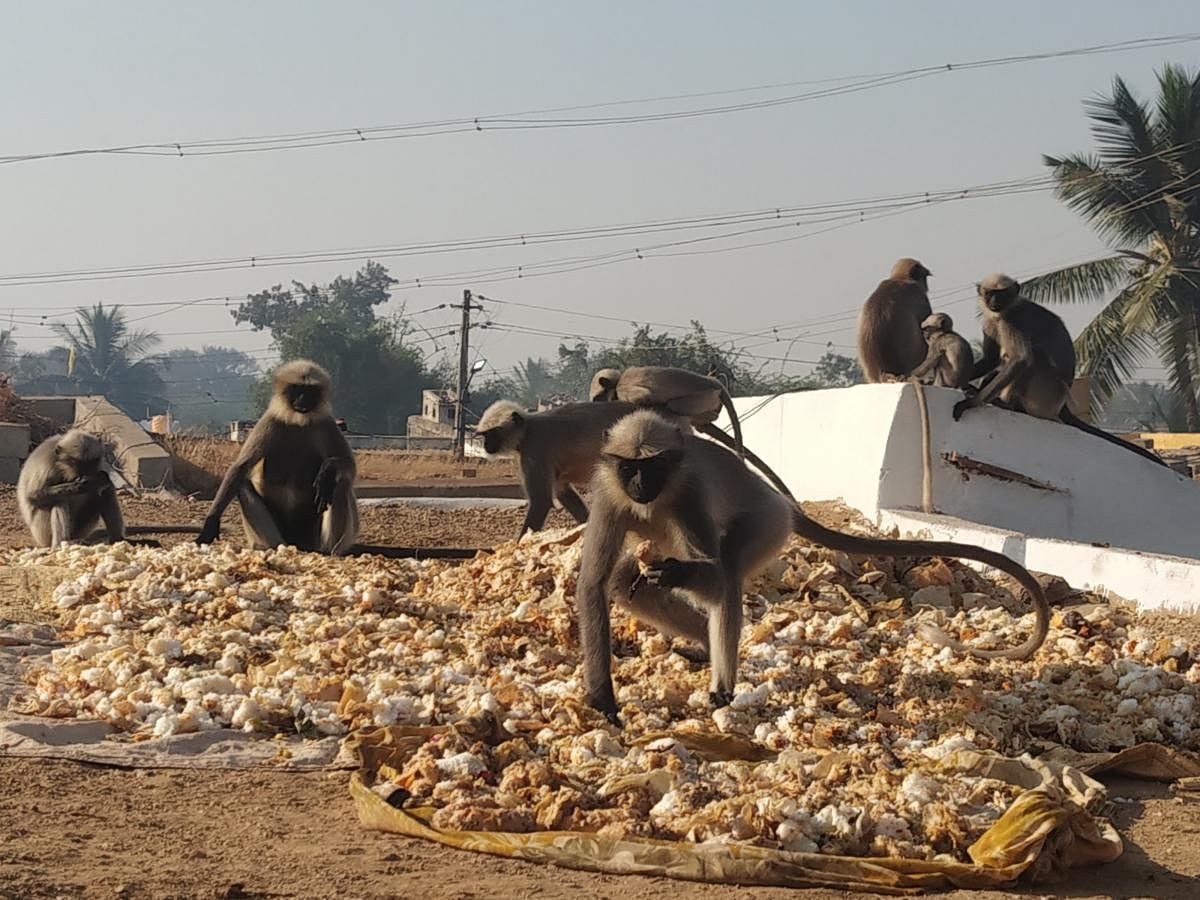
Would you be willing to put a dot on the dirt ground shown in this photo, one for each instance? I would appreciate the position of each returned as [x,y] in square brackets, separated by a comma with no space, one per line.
[71,830]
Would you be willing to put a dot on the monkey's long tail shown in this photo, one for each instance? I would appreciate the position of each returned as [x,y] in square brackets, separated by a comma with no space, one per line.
[1069,418]
[722,437]
[926,451]
[727,402]
[849,543]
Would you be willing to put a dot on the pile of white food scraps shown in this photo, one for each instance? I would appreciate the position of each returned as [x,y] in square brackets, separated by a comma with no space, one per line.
[857,707]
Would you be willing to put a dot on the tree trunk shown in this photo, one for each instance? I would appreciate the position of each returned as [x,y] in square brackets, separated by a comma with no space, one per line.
[1192,410]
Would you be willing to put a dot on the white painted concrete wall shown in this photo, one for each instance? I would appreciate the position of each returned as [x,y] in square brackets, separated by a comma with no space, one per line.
[862,445]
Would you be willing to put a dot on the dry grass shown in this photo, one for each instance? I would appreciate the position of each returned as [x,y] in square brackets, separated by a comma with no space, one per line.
[199,463]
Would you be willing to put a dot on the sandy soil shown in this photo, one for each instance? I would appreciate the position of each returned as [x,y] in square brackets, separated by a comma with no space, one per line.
[69,830]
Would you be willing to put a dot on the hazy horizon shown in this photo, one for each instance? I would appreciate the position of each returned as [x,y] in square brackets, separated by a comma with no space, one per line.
[80,75]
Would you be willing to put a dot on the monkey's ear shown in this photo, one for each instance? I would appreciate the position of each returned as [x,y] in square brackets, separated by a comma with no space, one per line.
[1016,286]
[517,418]
[979,288]
[608,383]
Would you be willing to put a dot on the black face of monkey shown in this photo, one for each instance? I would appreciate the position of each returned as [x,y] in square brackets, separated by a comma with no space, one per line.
[304,398]
[998,299]
[492,440]
[643,479]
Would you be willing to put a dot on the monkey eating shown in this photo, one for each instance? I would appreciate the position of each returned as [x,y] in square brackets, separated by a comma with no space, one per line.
[890,342]
[697,398]
[557,448]
[949,361]
[721,523]
[294,477]
[1029,356]
[63,492]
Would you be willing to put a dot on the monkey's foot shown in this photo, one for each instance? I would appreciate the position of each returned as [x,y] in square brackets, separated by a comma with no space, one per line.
[961,407]
[607,706]
[692,653]
[719,699]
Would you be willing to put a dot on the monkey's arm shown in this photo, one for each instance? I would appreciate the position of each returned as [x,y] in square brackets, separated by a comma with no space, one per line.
[1018,357]
[49,495]
[602,542]
[539,492]
[932,358]
[703,576]
[990,360]
[338,469]
[253,451]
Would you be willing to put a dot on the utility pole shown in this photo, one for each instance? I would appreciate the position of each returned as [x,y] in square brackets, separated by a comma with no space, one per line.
[460,418]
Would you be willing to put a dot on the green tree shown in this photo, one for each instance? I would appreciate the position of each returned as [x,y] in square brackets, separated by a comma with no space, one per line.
[834,370]
[1139,191]
[377,378]
[112,359]
[210,387]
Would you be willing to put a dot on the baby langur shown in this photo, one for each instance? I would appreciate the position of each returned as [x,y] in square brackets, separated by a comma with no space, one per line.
[890,342]
[63,492]
[689,395]
[949,361]
[294,478]
[695,397]
[1029,355]
[721,523]
[558,448]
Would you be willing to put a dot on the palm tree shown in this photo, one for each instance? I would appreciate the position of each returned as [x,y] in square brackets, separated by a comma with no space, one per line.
[111,359]
[1140,192]
[532,380]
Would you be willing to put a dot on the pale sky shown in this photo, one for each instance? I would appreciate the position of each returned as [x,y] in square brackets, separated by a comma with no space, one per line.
[84,75]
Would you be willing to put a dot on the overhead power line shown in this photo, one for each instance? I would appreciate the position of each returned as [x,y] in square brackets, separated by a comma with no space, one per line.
[812,212]
[545,118]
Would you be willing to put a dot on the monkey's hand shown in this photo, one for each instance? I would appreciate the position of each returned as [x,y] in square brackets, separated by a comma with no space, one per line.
[324,485]
[668,573]
[100,483]
[962,406]
[212,528]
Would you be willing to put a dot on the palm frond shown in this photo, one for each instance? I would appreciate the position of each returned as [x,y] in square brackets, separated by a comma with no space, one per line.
[1111,201]
[1112,345]
[1177,123]
[1084,282]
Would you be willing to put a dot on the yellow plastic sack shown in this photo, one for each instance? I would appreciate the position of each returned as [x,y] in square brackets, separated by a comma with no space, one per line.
[1045,832]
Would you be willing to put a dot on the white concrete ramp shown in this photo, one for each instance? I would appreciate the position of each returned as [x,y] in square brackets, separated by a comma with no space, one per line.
[1042,489]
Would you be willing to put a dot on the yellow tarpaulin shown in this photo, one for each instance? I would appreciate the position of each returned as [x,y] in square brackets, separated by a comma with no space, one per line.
[1047,830]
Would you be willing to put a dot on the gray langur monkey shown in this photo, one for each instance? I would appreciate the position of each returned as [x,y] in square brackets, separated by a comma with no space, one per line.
[890,342]
[949,361]
[689,395]
[557,448]
[1029,356]
[699,502]
[294,477]
[695,397]
[63,492]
